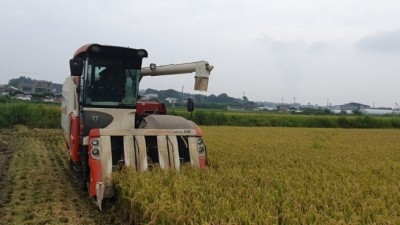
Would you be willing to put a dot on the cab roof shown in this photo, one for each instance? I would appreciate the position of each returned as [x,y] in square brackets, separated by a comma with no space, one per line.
[90,50]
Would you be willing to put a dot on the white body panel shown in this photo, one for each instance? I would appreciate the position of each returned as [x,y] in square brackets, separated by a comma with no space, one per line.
[69,104]
[201,68]
[168,152]
[135,153]
[123,119]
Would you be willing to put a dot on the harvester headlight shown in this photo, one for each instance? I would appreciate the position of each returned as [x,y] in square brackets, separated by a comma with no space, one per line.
[95,48]
[96,153]
[201,146]
[142,53]
[94,142]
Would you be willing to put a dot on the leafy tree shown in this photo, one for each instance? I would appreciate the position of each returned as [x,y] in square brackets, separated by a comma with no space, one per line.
[14,82]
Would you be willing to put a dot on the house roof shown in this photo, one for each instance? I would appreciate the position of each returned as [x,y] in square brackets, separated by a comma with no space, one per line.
[355,104]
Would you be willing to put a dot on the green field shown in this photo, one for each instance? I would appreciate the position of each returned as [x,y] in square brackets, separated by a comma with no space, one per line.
[39,115]
[274,119]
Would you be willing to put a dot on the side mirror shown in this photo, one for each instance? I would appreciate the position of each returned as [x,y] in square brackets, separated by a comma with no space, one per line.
[76,66]
[190,105]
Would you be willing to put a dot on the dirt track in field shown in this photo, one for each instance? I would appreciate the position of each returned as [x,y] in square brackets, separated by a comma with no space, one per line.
[5,157]
[35,184]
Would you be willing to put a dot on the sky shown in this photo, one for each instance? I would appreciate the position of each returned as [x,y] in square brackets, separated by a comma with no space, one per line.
[315,52]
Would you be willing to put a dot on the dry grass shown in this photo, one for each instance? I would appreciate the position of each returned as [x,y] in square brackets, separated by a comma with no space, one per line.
[276,176]
[40,190]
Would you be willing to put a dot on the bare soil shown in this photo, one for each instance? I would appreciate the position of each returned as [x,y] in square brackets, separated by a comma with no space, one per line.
[35,184]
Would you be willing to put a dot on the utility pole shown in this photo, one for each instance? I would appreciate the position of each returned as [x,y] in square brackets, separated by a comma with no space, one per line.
[183,100]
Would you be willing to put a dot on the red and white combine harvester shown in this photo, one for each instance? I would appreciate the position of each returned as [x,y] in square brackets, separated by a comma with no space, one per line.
[107,127]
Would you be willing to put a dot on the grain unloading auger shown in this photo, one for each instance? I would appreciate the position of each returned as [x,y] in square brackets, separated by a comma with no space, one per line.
[106,126]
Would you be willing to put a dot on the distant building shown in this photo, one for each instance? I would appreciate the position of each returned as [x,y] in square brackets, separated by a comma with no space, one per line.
[48,99]
[35,87]
[377,111]
[171,100]
[23,97]
[58,97]
[282,107]
[148,97]
[6,89]
[353,106]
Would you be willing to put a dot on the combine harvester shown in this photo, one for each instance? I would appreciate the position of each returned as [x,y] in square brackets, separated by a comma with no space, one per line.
[107,127]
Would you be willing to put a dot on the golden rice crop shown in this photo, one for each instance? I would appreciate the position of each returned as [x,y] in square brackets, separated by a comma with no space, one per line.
[275,176]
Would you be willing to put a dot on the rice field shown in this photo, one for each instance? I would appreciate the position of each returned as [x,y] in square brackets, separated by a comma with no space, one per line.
[274,176]
[255,176]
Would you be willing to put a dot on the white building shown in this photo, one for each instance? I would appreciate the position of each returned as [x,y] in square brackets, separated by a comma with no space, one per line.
[171,100]
[150,96]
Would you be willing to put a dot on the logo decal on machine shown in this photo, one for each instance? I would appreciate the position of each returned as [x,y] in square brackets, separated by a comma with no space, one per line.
[95,118]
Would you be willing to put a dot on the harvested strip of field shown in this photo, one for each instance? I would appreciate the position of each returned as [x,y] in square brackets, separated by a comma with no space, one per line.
[5,157]
[39,189]
[275,176]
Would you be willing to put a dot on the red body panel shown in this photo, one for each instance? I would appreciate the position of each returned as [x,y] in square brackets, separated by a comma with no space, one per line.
[199,133]
[147,108]
[202,162]
[74,138]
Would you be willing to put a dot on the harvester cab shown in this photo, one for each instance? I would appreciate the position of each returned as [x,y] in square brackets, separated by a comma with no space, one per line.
[106,126]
